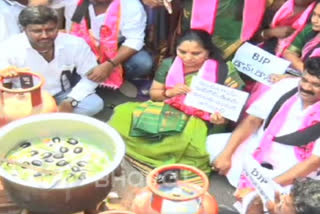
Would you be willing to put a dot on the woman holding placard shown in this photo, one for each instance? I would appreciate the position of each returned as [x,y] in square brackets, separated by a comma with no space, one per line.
[164,130]
[307,43]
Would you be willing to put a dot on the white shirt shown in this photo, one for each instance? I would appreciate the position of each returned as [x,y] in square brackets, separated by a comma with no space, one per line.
[281,156]
[9,13]
[132,21]
[9,17]
[70,52]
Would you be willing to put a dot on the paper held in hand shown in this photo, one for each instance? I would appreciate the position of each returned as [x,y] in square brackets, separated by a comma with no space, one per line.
[258,63]
[261,180]
[213,97]
[263,183]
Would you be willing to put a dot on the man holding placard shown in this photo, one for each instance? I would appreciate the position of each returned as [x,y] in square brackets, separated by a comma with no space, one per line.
[302,199]
[281,133]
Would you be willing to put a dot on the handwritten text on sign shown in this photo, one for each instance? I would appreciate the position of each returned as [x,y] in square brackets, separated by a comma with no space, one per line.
[258,63]
[264,185]
[213,97]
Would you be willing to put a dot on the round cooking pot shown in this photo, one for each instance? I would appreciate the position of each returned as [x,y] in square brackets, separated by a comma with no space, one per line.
[75,197]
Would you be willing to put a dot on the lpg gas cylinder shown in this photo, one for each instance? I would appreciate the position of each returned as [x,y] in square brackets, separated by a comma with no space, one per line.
[175,188]
[27,99]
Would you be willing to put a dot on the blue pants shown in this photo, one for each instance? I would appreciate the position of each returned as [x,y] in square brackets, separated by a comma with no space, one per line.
[90,105]
[139,65]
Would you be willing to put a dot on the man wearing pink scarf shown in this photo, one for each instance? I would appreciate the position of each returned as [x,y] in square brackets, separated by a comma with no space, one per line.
[115,31]
[281,133]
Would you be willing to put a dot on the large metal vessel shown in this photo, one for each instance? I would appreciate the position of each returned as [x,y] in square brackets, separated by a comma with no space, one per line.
[57,199]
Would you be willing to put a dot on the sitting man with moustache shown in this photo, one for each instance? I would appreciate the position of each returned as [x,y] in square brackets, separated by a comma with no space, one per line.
[62,59]
[281,133]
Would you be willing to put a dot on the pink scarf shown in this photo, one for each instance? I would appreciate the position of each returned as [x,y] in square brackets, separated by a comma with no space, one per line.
[108,47]
[253,13]
[315,53]
[284,17]
[303,152]
[283,14]
[309,46]
[204,15]
[208,71]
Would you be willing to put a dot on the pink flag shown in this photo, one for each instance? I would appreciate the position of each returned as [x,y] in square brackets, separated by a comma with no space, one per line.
[253,13]
[204,15]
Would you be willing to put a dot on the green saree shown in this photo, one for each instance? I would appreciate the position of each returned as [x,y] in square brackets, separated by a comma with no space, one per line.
[186,147]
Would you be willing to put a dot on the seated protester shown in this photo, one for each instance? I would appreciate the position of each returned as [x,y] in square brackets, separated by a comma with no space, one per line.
[305,43]
[281,133]
[164,130]
[287,23]
[111,22]
[281,26]
[303,198]
[9,12]
[55,55]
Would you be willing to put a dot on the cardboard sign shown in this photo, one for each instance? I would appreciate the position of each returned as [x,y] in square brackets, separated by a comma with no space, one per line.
[258,63]
[264,184]
[213,97]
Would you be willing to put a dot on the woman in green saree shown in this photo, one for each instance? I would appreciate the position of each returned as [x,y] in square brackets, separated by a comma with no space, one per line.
[164,130]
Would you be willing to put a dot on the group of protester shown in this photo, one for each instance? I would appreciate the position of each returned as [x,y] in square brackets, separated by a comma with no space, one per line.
[280,131]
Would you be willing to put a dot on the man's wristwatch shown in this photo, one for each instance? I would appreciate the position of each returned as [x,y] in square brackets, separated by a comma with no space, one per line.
[74,103]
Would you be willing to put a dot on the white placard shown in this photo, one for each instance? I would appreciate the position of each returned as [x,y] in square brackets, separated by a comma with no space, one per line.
[264,185]
[258,63]
[213,97]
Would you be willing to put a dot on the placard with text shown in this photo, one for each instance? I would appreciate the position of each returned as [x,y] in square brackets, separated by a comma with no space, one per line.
[263,184]
[213,97]
[258,63]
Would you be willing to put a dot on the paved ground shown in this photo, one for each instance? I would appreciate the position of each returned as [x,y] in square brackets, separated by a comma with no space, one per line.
[218,184]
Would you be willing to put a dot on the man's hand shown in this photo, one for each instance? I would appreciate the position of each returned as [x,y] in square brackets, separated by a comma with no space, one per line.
[65,106]
[273,206]
[277,77]
[217,119]
[178,89]
[255,207]
[282,31]
[100,73]
[222,164]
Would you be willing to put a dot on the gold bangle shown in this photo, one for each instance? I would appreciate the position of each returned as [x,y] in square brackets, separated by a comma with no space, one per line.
[262,34]
[165,94]
[112,63]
